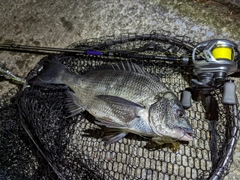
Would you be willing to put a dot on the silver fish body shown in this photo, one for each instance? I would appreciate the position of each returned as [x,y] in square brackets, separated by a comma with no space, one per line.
[123,98]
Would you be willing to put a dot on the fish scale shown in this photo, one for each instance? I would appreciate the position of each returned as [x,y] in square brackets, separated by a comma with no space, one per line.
[118,84]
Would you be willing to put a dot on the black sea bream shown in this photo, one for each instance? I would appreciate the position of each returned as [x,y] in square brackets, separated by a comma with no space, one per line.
[123,97]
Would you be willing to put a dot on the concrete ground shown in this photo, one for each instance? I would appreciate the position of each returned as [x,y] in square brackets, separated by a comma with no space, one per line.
[60,23]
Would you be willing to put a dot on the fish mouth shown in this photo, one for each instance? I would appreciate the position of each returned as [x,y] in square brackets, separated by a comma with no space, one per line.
[184,134]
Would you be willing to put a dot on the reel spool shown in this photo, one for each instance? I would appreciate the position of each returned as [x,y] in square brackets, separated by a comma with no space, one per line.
[214,60]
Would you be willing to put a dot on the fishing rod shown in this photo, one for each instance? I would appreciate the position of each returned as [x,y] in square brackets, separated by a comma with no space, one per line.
[88,51]
[213,60]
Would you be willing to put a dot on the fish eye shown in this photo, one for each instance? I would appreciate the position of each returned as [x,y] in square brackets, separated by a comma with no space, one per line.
[180,113]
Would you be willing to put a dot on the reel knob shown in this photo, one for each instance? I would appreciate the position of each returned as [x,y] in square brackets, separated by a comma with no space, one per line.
[229,93]
[186,99]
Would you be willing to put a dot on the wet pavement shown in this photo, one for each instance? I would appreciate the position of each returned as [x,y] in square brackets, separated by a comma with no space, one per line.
[60,23]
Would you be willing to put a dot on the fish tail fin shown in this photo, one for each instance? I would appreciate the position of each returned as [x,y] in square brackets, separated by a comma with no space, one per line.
[51,72]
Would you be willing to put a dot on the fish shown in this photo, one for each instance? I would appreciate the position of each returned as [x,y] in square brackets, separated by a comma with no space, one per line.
[123,98]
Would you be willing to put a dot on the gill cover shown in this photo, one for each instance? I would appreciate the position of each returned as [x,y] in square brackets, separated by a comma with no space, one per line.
[159,113]
[168,118]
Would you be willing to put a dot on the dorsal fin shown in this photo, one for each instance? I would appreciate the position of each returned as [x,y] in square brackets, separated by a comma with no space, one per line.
[124,66]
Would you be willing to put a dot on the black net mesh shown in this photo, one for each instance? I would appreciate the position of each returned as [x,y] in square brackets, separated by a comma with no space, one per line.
[39,141]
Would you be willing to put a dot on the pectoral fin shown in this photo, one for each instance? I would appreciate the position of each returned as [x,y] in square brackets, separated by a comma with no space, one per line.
[109,123]
[123,109]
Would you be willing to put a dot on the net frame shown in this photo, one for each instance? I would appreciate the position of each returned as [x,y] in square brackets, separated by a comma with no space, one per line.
[171,46]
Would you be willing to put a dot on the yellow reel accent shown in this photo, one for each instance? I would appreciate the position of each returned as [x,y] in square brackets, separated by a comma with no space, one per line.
[223,53]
